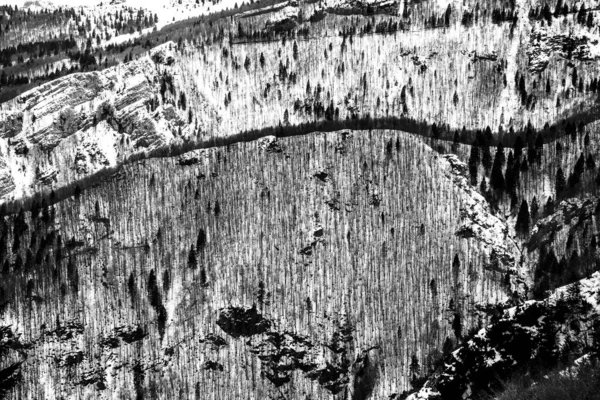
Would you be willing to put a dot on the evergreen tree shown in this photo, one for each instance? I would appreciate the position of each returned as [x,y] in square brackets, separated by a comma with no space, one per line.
[433,288]
[519,145]
[561,183]
[455,141]
[415,368]
[549,207]
[590,163]
[534,208]
[579,165]
[203,279]
[532,153]
[523,219]
[201,240]
[558,9]
[457,326]
[510,181]
[192,262]
[473,164]
[497,178]
[131,287]
[448,346]
[166,281]
[455,269]
[486,158]
[575,176]
[548,348]
[153,293]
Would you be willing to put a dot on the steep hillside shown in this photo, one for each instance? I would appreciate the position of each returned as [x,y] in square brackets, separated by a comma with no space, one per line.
[530,338]
[345,243]
[300,200]
[70,128]
[177,100]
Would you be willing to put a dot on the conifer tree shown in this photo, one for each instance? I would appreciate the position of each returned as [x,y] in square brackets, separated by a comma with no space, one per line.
[473,164]
[448,346]
[510,181]
[549,207]
[457,326]
[192,262]
[415,368]
[486,158]
[561,183]
[534,208]
[455,268]
[497,178]
[523,218]
[590,163]
[519,145]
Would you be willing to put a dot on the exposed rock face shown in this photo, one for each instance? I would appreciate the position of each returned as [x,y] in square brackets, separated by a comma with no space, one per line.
[11,125]
[88,155]
[534,329]
[570,213]
[270,144]
[282,353]
[284,19]
[237,321]
[47,176]
[7,183]
[477,220]
[362,7]
[100,119]
[543,45]
[192,157]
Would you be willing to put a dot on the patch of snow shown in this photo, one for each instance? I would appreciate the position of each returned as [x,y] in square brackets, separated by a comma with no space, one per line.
[424,393]
[477,220]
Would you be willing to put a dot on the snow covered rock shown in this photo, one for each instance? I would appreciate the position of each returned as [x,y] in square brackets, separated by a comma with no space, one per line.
[477,220]
[86,122]
[270,145]
[531,330]
[284,19]
[362,7]
[543,45]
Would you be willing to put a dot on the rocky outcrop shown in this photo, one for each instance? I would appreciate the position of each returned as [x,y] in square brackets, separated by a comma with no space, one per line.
[477,220]
[284,19]
[570,213]
[88,155]
[535,329]
[46,176]
[11,125]
[543,45]
[281,353]
[238,321]
[7,183]
[101,118]
[366,7]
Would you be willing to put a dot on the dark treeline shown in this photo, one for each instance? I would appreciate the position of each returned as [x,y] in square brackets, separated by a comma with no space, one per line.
[36,49]
[526,137]
[584,16]
[86,31]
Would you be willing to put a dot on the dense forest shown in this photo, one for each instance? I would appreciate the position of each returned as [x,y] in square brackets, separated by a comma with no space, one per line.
[293,200]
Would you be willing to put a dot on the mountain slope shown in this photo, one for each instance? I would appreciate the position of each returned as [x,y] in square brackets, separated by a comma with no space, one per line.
[141,284]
